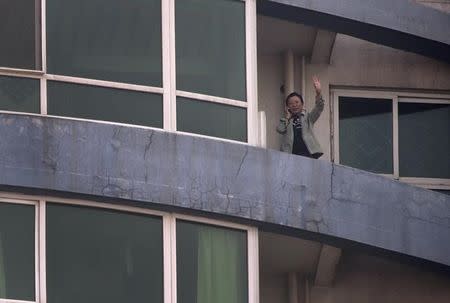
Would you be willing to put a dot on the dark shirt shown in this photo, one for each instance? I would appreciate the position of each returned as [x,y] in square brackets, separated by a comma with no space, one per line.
[299,146]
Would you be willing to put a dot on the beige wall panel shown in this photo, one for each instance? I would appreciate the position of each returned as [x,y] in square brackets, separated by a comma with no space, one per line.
[270,78]
[274,288]
[368,279]
[355,62]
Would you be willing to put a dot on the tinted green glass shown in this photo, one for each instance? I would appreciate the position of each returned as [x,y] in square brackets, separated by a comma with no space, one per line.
[100,103]
[112,40]
[210,47]
[365,134]
[424,140]
[96,255]
[19,94]
[211,264]
[17,250]
[20,34]
[212,119]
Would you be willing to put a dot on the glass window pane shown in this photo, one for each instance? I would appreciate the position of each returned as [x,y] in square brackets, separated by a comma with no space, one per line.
[17,250]
[97,255]
[424,140]
[212,119]
[101,103]
[210,47]
[19,94]
[111,40]
[365,134]
[20,34]
[211,264]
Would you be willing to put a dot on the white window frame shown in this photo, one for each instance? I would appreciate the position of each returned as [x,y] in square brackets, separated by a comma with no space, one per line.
[21,74]
[168,90]
[395,96]
[11,71]
[38,286]
[250,105]
[169,242]
[252,252]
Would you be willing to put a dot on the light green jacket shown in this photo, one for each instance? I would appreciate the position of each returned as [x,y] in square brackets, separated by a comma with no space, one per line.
[307,119]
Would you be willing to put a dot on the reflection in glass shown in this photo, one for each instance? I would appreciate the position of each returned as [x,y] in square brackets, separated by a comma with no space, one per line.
[211,264]
[19,94]
[17,250]
[20,34]
[111,40]
[424,140]
[210,47]
[212,119]
[100,103]
[96,255]
[365,134]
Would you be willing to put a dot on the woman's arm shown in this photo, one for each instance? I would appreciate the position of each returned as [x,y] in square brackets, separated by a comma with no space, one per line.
[282,126]
[320,103]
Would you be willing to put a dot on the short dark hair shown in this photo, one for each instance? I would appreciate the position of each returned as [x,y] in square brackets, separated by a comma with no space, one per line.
[294,94]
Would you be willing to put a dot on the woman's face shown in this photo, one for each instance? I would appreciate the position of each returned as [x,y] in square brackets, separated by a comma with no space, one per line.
[294,105]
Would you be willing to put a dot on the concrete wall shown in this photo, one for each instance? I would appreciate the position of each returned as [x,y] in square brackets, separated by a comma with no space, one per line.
[270,99]
[273,288]
[356,62]
[367,279]
[362,278]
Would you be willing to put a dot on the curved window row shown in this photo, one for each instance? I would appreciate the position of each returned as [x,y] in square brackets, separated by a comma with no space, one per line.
[178,65]
[84,252]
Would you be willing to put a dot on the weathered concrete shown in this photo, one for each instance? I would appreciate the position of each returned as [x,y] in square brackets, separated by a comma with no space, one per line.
[231,179]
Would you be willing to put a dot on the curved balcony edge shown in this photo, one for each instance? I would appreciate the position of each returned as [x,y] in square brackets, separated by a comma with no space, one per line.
[154,166]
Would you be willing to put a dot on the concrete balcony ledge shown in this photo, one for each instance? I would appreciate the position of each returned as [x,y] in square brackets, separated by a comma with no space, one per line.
[152,166]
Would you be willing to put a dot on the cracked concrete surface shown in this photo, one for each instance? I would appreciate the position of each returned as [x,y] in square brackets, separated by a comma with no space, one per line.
[152,166]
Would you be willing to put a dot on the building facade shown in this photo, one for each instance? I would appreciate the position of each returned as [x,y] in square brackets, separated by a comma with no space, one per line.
[139,159]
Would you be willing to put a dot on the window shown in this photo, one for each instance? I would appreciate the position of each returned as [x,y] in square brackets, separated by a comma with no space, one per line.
[210,42]
[211,264]
[20,34]
[79,251]
[17,251]
[424,139]
[98,255]
[101,103]
[365,134]
[402,135]
[19,94]
[110,40]
[211,67]
[211,119]
[134,62]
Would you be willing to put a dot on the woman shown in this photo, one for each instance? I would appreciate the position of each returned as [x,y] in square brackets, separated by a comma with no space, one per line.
[297,126]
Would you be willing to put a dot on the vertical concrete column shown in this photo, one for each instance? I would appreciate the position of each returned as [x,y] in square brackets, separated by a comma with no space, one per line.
[292,287]
[288,72]
[307,295]
[304,77]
